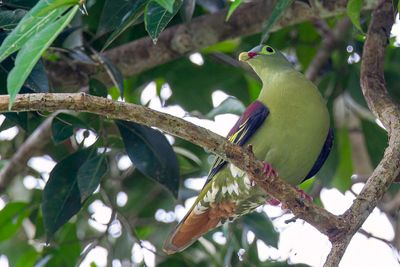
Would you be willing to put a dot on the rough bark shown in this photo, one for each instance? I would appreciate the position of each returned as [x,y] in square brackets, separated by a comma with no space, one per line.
[374,90]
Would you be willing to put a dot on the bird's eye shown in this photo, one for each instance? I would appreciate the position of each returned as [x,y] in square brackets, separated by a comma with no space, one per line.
[267,50]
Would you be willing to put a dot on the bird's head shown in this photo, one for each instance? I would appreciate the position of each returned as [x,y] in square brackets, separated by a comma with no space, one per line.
[264,58]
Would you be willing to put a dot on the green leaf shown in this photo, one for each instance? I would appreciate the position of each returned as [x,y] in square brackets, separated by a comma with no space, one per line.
[37,80]
[97,88]
[63,125]
[342,178]
[276,14]
[151,154]
[115,12]
[90,173]
[228,46]
[12,119]
[115,74]
[14,248]
[10,18]
[376,140]
[167,4]
[130,18]
[68,248]
[28,258]
[187,10]
[235,4]
[11,217]
[157,17]
[61,196]
[38,18]
[230,105]
[261,225]
[353,12]
[31,52]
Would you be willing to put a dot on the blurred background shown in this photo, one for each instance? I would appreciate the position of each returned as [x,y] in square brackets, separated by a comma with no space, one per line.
[125,221]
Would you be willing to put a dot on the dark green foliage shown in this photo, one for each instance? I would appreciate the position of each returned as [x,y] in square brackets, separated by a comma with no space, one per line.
[156,17]
[11,217]
[280,7]
[151,154]
[63,126]
[262,227]
[90,173]
[61,196]
[376,140]
[97,88]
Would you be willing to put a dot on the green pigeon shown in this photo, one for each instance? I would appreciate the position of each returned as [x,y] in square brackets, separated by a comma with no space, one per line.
[288,128]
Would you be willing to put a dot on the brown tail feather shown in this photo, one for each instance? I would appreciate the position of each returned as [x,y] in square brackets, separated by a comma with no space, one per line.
[188,231]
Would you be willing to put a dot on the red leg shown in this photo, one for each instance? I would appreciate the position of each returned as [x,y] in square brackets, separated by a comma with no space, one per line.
[304,195]
[268,170]
[273,202]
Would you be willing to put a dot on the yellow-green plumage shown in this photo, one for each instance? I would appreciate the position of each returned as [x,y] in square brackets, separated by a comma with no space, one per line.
[294,132]
[290,140]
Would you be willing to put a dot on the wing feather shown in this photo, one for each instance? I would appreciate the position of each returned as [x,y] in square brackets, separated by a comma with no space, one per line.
[199,221]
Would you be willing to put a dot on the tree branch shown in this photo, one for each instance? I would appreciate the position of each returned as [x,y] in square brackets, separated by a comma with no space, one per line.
[139,55]
[35,142]
[243,158]
[380,103]
[328,45]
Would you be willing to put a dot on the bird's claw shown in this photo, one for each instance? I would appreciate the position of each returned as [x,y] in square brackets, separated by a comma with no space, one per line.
[304,195]
[275,202]
[269,171]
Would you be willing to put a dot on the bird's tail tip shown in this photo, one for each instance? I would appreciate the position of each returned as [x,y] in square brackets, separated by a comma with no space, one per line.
[188,231]
[169,248]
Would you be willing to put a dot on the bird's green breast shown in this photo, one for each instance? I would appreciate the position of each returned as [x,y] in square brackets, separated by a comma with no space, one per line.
[295,130]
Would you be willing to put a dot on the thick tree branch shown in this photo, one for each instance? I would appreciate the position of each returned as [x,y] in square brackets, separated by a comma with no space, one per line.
[377,97]
[203,31]
[243,158]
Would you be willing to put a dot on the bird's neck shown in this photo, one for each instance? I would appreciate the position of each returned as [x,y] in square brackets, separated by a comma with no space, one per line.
[270,76]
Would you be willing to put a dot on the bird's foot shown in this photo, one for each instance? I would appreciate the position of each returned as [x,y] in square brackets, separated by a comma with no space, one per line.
[275,202]
[304,195]
[268,170]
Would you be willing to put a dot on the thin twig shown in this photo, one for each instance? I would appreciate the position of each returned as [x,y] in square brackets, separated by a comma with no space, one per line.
[97,240]
[330,42]
[369,235]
